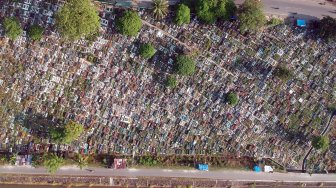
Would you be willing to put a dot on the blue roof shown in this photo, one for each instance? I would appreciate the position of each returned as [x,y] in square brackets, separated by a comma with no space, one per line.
[203,167]
[301,23]
[256,169]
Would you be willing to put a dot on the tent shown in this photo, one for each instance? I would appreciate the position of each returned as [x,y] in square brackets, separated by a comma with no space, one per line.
[203,167]
[301,23]
[256,169]
[268,168]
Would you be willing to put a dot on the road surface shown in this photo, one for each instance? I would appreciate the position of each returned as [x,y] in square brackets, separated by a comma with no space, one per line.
[234,175]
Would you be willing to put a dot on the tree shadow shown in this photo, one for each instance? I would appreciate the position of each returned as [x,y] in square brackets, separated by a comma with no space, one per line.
[38,124]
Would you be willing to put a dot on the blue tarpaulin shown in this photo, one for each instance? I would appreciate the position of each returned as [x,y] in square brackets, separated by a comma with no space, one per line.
[203,167]
[301,23]
[256,169]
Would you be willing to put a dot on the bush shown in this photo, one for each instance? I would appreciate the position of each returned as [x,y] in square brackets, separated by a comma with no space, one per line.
[182,15]
[185,65]
[320,142]
[129,23]
[35,32]
[171,81]
[232,98]
[12,28]
[147,50]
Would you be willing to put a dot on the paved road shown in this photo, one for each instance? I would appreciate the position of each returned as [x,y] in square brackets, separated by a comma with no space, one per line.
[308,8]
[224,175]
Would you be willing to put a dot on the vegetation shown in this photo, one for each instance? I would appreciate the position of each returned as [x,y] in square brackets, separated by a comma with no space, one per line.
[320,142]
[82,161]
[52,162]
[147,50]
[77,18]
[182,15]
[12,28]
[65,135]
[274,22]
[129,23]
[160,8]
[232,98]
[210,10]
[147,161]
[327,28]
[72,131]
[185,65]
[283,73]
[251,16]
[57,135]
[35,32]
[171,81]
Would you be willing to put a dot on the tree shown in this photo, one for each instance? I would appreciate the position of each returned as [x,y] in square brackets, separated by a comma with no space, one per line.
[77,18]
[12,27]
[171,81]
[283,73]
[320,142]
[82,161]
[185,65]
[327,28]
[72,131]
[210,10]
[182,15]
[57,135]
[129,23]
[147,50]
[52,162]
[232,98]
[251,16]
[160,8]
[35,32]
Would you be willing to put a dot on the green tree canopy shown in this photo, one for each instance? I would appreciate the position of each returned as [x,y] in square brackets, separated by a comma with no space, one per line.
[327,28]
[72,131]
[57,135]
[232,98]
[320,142]
[185,65]
[52,162]
[147,50]
[182,15]
[171,81]
[209,10]
[35,32]
[12,27]
[283,73]
[77,18]
[251,16]
[129,23]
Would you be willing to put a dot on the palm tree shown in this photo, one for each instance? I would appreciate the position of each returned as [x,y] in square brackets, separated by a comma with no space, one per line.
[82,161]
[160,8]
